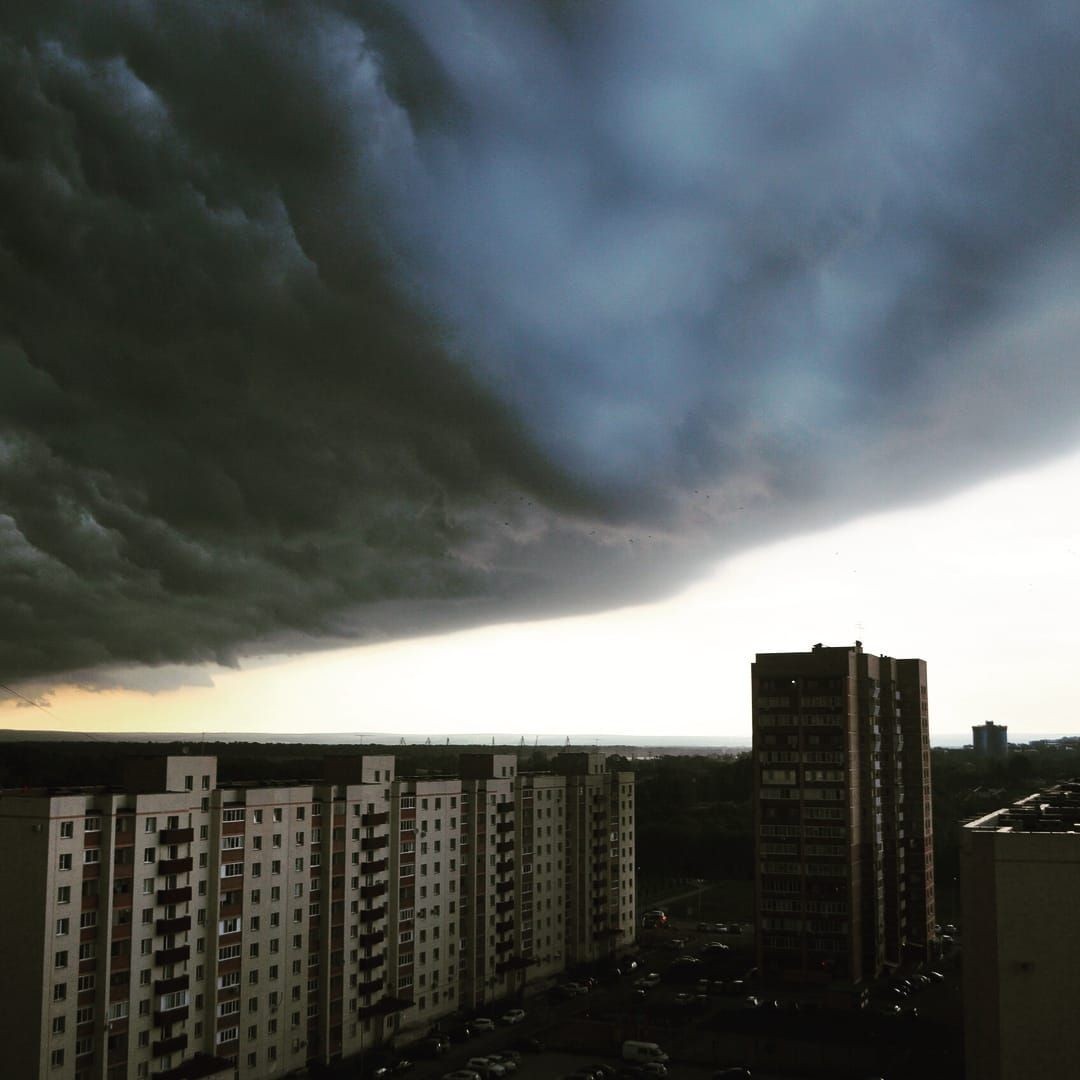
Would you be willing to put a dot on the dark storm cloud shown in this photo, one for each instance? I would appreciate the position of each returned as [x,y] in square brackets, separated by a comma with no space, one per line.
[327,320]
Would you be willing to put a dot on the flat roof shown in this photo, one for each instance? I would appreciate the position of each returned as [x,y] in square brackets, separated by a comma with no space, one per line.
[1055,810]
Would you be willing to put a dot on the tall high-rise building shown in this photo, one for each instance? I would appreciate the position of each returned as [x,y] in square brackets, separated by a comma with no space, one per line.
[1020,888]
[176,928]
[990,740]
[844,878]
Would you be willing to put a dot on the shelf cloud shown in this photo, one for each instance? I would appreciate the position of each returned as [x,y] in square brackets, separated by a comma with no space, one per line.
[335,321]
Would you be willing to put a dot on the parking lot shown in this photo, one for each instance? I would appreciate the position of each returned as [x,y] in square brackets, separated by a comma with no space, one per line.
[697,1011]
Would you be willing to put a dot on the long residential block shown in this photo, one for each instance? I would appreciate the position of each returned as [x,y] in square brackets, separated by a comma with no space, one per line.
[178,929]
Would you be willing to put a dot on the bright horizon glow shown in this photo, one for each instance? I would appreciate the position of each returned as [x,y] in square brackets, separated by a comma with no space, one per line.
[982,585]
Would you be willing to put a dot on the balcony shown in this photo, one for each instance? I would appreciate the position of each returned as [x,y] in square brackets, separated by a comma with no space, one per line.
[504,807]
[370,963]
[369,892]
[503,946]
[374,843]
[370,987]
[174,896]
[175,866]
[504,907]
[163,957]
[375,866]
[372,821]
[176,836]
[504,826]
[170,986]
[173,926]
[504,927]
[505,866]
[169,1046]
[170,1016]
[504,887]
[373,938]
[370,915]
[505,846]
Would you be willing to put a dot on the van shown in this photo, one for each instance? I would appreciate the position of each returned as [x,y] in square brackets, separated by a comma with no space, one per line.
[634,1050]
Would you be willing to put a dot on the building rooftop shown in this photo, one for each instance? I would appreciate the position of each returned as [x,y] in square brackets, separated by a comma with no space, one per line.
[1055,810]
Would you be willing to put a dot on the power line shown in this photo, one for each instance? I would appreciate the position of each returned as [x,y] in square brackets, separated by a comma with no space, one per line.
[44,708]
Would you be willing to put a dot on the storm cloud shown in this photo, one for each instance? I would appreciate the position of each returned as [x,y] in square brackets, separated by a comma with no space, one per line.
[323,321]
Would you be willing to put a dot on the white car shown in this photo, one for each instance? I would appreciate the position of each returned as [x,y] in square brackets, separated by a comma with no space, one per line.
[506,1061]
[514,1016]
[462,1074]
[482,1023]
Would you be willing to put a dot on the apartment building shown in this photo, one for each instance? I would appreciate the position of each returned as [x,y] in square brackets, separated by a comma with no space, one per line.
[175,928]
[844,884]
[1020,888]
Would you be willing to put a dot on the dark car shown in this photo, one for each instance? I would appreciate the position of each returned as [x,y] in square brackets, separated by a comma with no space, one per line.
[529,1045]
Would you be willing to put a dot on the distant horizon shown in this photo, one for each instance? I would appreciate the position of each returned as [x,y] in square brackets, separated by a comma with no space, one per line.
[944,740]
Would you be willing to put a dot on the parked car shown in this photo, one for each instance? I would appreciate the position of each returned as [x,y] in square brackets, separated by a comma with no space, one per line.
[432,1046]
[482,1023]
[486,1066]
[462,1074]
[513,1016]
[734,1072]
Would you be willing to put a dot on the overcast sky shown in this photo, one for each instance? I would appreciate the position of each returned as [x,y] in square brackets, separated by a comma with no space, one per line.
[522,341]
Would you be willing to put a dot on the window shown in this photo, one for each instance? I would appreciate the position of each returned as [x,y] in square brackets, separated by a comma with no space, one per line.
[256,816]
[91,855]
[87,950]
[277,813]
[59,992]
[84,1015]
[189,783]
[93,824]
[89,918]
[151,825]
[63,894]
[86,982]
[58,1025]
[149,855]
[60,959]
[63,926]
[67,830]
[234,813]
[56,1059]
[64,862]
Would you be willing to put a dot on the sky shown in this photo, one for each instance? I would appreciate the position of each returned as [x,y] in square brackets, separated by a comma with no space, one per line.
[500,362]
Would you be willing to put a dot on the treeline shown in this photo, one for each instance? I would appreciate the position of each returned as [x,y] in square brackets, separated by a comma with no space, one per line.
[694,816]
